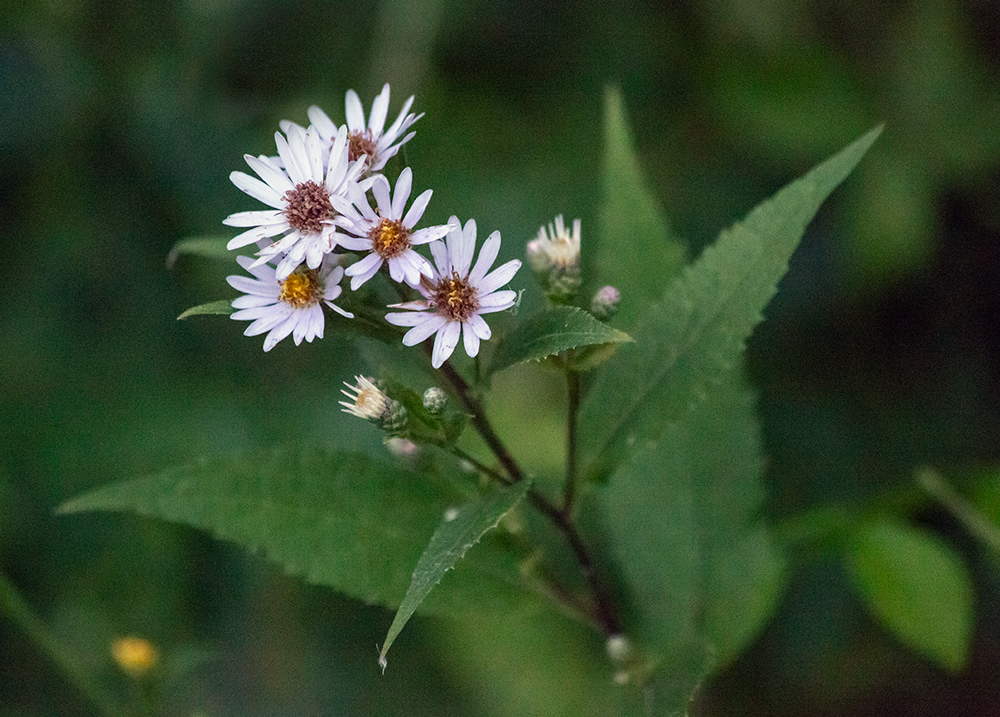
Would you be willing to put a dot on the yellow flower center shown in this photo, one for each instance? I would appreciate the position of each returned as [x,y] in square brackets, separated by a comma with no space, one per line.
[308,207]
[456,298]
[302,288]
[390,238]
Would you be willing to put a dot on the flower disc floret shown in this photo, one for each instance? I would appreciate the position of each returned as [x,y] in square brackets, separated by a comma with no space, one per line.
[455,296]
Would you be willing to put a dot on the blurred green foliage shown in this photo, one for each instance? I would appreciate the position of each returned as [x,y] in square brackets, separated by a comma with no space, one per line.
[879,353]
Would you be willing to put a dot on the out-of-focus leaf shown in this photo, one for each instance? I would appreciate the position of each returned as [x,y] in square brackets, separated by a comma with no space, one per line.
[457,532]
[222,307]
[342,520]
[697,330]
[551,331]
[918,587]
[210,247]
[634,250]
[700,577]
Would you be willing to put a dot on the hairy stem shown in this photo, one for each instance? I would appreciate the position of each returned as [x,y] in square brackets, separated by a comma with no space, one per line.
[572,407]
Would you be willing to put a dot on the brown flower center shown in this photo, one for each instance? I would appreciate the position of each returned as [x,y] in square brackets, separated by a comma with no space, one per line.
[302,288]
[359,143]
[308,207]
[456,298]
[389,238]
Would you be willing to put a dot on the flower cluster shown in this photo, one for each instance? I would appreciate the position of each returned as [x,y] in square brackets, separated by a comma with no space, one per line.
[321,226]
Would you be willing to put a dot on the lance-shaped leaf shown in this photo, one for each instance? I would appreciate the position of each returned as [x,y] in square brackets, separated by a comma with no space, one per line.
[458,531]
[222,307]
[633,249]
[918,587]
[343,520]
[698,575]
[211,247]
[551,331]
[697,331]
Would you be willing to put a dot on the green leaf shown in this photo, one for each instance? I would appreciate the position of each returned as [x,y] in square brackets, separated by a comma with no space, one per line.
[699,575]
[211,247]
[343,520]
[222,307]
[634,250]
[551,331]
[457,532]
[918,587]
[698,329]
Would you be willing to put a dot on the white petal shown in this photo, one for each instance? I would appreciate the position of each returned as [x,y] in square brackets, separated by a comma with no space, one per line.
[257,189]
[424,329]
[253,286]
[479,325]
[461,245]
[404,184]
[270,172]
[497,301]
[408,318]
[498,277]
[440,253]
[252,235]
[428,234]
[255,218]
[416,209]
[363,265]
[359,279]
[380,190]
[380,108]
[279,332]
[248,301]
[445,343]
[324,125]
[354,111]
[397,126]
[470,339]
[487,255]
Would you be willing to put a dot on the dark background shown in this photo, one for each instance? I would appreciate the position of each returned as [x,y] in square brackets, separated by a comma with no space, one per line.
[119,125]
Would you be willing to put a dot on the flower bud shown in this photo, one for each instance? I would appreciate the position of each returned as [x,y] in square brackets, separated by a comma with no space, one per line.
[604,305]
[554,257]
[435,400]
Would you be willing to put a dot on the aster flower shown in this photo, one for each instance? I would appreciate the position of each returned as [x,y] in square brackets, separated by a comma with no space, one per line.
[455,298]
[373,140]
[288,306]
[387,233]
[305,191]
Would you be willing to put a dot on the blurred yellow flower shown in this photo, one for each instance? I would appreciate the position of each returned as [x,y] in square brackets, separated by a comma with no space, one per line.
[134,655]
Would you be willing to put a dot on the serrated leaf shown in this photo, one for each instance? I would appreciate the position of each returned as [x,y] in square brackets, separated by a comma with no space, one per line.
[343,520]
[699,576]
[918,587]
[551,331]
[222,307]
[211,247]
[697,331]
[634,250]
[457,532]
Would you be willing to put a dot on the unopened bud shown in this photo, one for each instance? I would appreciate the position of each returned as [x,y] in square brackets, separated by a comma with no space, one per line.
[394,419]
[435,399]
[604,305]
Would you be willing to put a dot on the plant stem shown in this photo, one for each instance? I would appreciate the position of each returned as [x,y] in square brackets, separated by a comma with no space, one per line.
[604,612]
[24,617]
[572,407]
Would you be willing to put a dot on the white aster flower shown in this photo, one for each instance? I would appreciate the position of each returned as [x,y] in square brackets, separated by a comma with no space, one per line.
[289,306]
[306,192]
[556,248]
[387,234]
[379,144]
[455,297]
